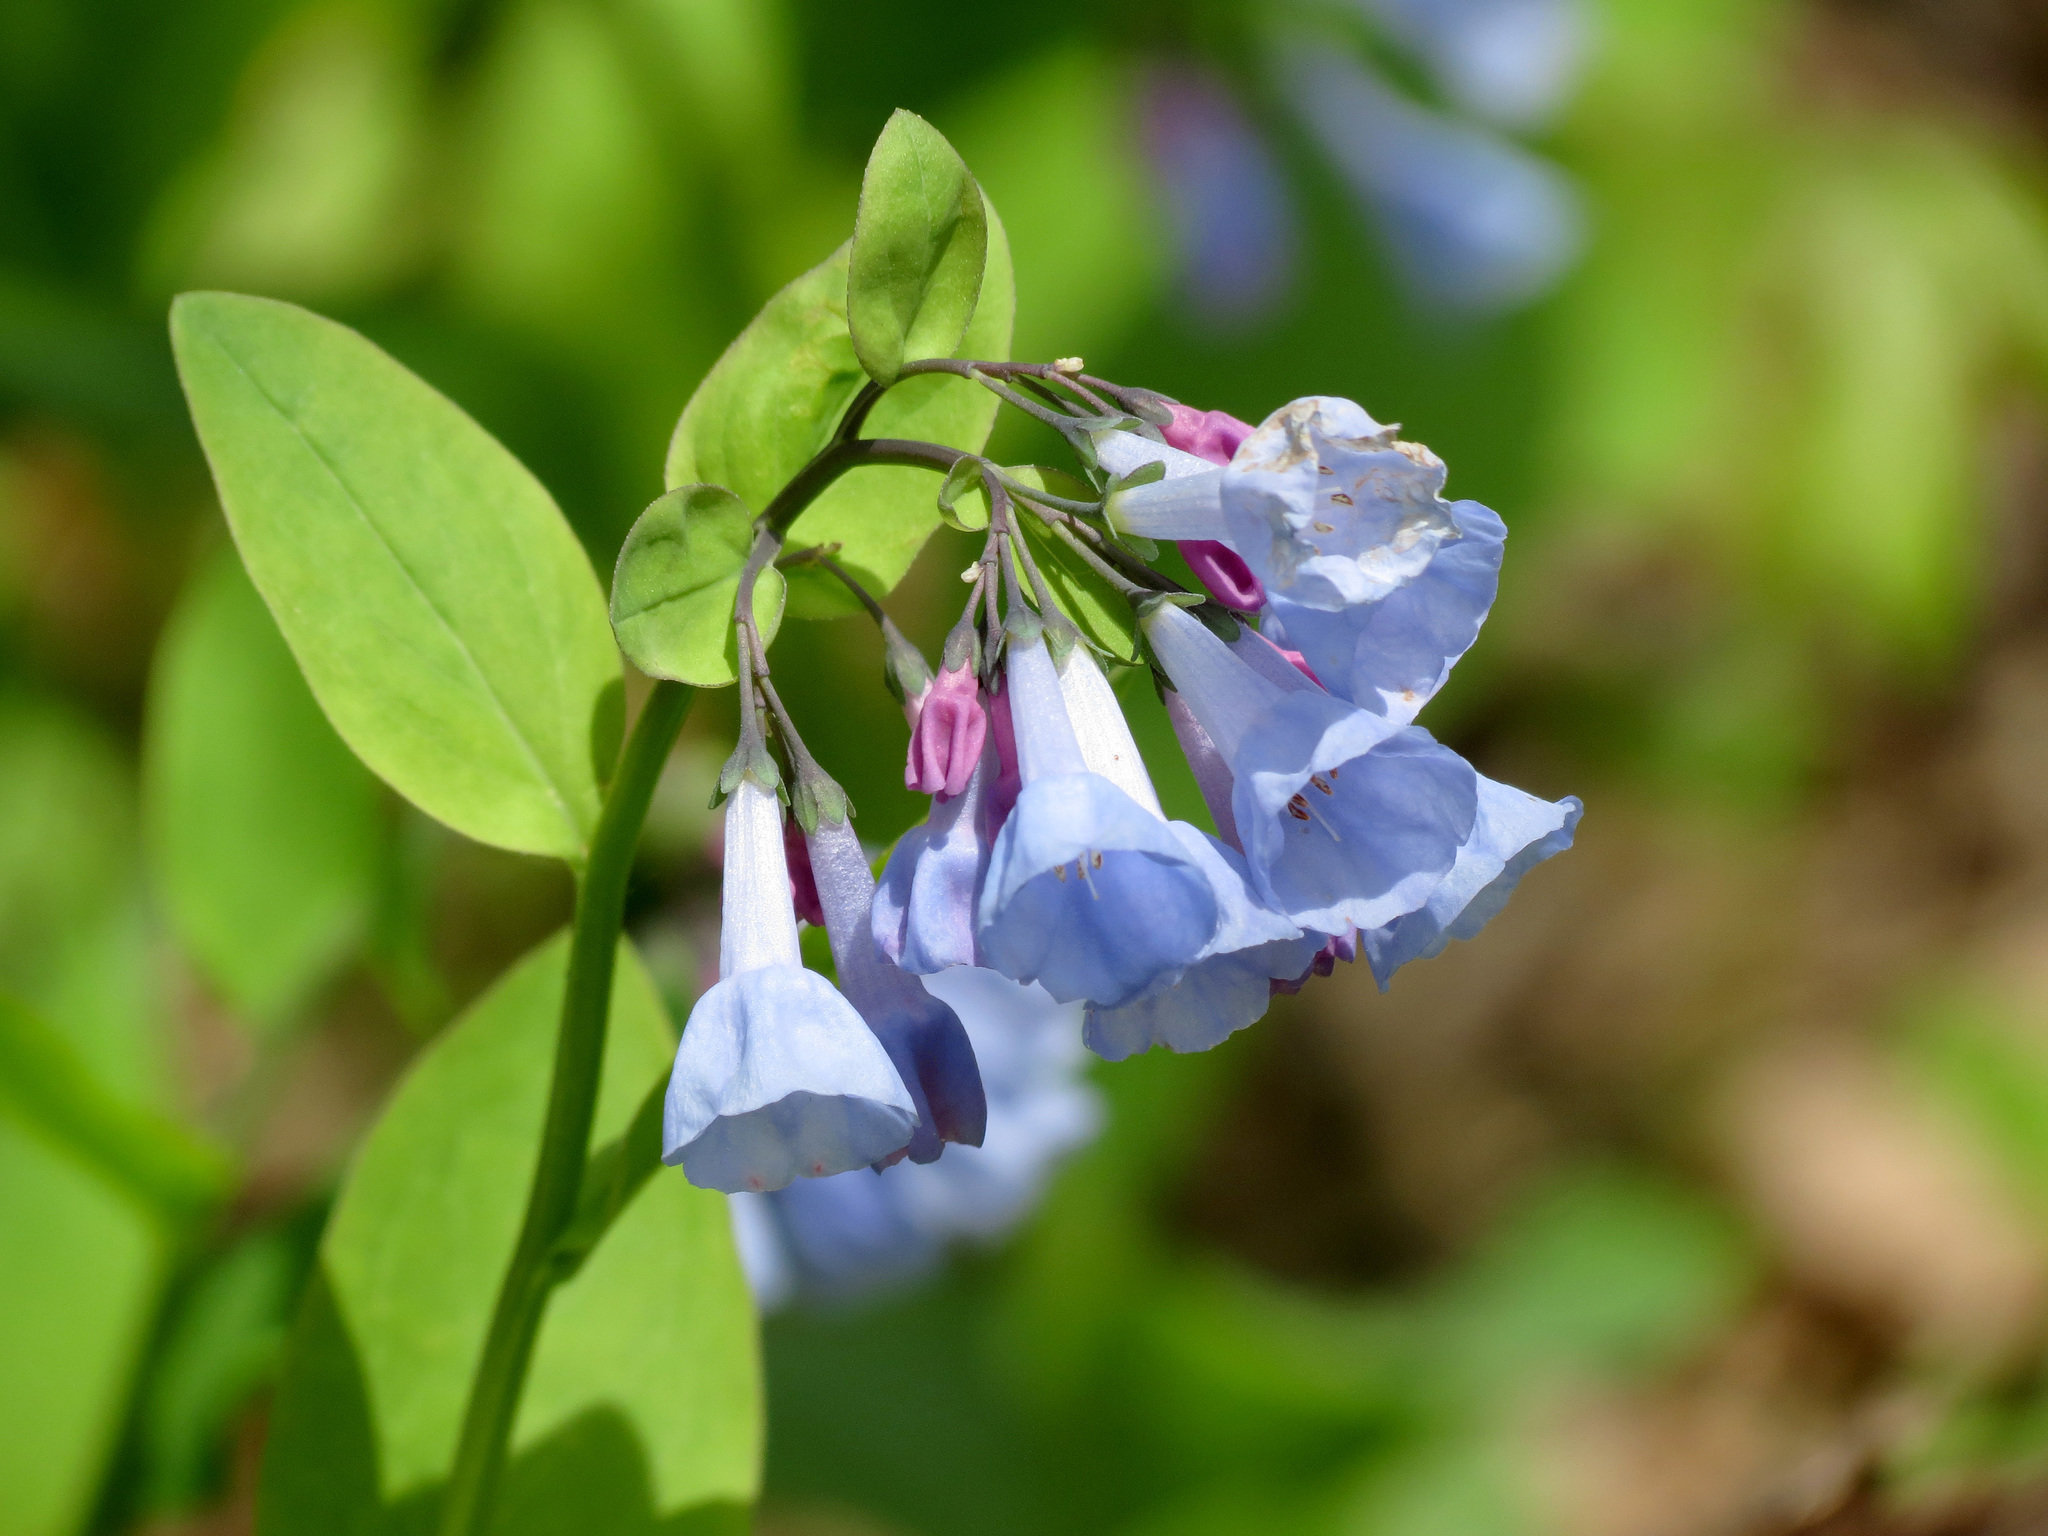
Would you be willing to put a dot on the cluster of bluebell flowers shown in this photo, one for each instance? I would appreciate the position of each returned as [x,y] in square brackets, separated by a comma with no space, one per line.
[1048,901]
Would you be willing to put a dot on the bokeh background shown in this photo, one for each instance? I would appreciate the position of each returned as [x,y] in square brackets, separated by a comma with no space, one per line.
[1707,1192]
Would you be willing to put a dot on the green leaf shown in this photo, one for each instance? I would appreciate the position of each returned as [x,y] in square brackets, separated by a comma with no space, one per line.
[677,580]
[920,242]
[47,1088]
[437,602]
[75,1305]
[222,1341]
[642,1412]
[1103,613]
[264,831]
[773,399]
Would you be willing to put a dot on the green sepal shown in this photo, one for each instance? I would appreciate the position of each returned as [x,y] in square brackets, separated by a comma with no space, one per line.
[677,581]
[904,668]
[964,481]
[749,760]
[961,649]
[814,798]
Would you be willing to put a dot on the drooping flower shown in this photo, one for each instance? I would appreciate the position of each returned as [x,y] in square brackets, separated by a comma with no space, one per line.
[856,1232]
[1226,988]
[1327,507]
[924,906]
[1088,893]
[777,1077]
[945,743]
[1345,818]
[921,1034]
[1512,833]
[1391,656]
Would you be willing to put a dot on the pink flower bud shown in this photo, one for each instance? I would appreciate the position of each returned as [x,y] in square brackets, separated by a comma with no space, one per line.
[1222,570]
[945,743]
[1211,435]
[803,884]
[1009,779]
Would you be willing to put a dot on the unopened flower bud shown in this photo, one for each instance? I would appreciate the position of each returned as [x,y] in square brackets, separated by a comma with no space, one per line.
[945,741]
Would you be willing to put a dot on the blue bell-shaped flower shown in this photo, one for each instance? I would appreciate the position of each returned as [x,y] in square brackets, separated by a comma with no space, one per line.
[777,1077]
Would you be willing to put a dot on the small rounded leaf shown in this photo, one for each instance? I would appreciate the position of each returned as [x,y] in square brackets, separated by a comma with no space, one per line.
[677,580]
[920,243]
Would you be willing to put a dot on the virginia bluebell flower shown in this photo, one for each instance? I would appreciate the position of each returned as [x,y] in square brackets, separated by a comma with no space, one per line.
[1226,988]
[1392,655]
[1346,818]
[921,1034]
[1232,222]
[777,1077]
[1088,892]
[1327,507]
[839,1236]
[1512,833]
[924,906]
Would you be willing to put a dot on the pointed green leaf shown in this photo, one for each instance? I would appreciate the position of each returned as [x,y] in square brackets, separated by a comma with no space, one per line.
[642,1413]
[430,589]
[920,243]
[264,831]
[75,1302]
[773,399]
[677,580]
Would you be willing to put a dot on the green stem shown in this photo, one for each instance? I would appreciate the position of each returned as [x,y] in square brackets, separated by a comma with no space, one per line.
[572,1101]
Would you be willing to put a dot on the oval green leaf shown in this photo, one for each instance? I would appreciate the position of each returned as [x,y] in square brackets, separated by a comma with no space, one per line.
[920,242]
[264,832]
[642,1412]
[773,399]
[445,616]
[677,580]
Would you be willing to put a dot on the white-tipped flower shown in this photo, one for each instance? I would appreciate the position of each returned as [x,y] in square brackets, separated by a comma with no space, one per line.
[1327,507]
[777,1077]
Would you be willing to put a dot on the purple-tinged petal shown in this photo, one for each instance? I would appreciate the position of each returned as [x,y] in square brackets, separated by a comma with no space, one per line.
[924,907]
[1512,833]
[1391,656]
[1222,570]
[922,1035]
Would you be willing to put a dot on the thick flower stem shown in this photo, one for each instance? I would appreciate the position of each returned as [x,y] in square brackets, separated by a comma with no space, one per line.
[572,1101]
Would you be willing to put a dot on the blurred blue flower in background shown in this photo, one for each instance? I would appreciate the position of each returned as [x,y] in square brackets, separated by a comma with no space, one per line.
[1473,222]
[1233,222]
[840,1236]
[1513,62]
